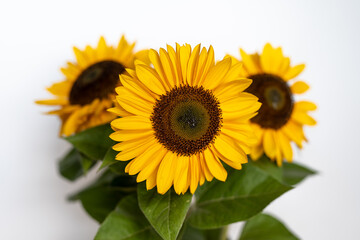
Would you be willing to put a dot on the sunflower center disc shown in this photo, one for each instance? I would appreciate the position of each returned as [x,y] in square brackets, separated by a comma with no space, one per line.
[276,98]
[96,81]
[186,119]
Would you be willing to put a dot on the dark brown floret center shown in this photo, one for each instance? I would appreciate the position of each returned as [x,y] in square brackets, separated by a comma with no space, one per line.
[97,81]
[186,120]
[276,98]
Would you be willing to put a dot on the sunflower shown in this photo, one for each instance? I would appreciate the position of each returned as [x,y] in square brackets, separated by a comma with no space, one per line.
[89,86]
[280,120]
[182,118]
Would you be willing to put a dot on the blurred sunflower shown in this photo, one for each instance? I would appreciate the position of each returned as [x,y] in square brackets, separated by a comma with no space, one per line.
[89,86]
[280,119]
[183,117]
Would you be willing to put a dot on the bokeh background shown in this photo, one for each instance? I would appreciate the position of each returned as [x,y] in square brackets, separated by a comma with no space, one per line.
[36,39]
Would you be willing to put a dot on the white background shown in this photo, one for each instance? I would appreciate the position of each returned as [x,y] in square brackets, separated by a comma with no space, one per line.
[36,39]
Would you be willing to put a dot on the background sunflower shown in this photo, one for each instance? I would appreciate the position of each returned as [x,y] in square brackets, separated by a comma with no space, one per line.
[88,90]
[280,119]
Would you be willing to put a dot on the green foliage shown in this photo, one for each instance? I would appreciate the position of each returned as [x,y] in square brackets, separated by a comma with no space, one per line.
[126,222]
[93,142]
[167,212]
[263,227]
[114,165]
[109,158]
[294,173]
[101,197]
[270,167]
[202,234]
[129,211]
[244,194]
[74,165]
[289,173]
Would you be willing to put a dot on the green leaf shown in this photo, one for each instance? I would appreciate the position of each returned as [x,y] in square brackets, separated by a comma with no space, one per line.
[100,201]
[100,198]
[114,165]
[294,173]
[192,233]
[93,142]
[289,173]
[244,194]
[126,222]
[264,227]
[167,212]
[268,166]
[74,165]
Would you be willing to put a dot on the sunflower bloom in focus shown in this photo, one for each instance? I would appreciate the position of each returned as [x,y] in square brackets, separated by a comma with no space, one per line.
[280,120]
[183,118]
[89,86]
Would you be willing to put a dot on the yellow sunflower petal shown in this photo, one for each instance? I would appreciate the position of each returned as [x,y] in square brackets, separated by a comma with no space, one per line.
[155,60]
[250,65]
[143,56]
[269,143]
[181,178]
[200,66]
[230,89]
[141,161]
[102,49]
[184,55]
[234,72]
[70,125]
[284,68]
[266,58]
[80,58]
[175,65]
[132,123]
[134,107]
[217,73]
[303,118]
[214,165]
[127,135]
[168,68]
[234,164]
[210,62]
[194,173]
[151,181]
[119,111]
[192,65]
[134,151]
[304,106]
[135,86]
[130,144]
[166,172]
[151,166]
[256,152]
[293,72]
[205,168]
[244,102]
[59,101]
[293,130]
[228,147]
[285,146]
[201,170]
[299,87]
[60,89]
[150,79]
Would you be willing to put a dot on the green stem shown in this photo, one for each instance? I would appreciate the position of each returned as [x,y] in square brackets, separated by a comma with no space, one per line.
[224,230]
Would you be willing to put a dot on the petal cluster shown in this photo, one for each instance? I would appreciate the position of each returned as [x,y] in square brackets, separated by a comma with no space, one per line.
[143,87]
